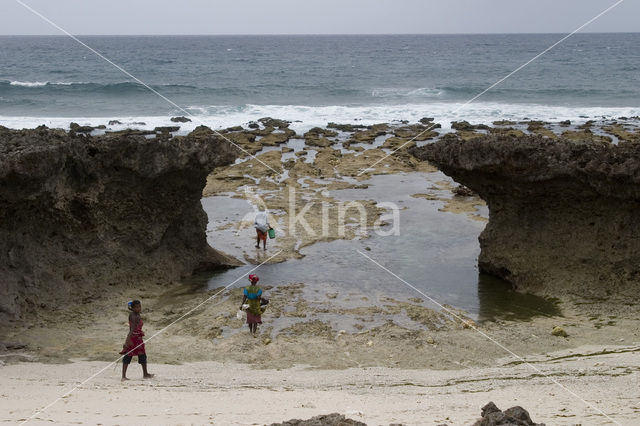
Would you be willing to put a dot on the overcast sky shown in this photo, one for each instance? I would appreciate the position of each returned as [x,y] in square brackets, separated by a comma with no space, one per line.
[316,17]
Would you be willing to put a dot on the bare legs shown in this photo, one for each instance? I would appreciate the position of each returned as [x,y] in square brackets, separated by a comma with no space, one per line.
[145,372]
[264,243]
[124,371]
[253,329]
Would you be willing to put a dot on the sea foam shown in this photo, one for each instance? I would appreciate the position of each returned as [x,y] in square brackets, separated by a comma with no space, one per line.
[304,117]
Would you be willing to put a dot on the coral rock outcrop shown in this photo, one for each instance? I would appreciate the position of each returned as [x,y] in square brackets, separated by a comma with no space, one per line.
[563,213]
[79,213]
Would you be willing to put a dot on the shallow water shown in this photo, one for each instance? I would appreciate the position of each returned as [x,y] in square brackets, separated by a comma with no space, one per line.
[435,252]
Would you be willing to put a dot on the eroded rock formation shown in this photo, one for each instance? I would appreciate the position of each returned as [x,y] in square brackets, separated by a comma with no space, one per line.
[564,214]
[333,419]
[78,213]
[514,416]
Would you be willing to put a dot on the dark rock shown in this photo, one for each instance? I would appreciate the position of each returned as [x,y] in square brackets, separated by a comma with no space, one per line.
[334,419]
[253,125]
[12,346]
[463,191]
[369,135]
[514,416]
[450,137]
[114,122]
[507,132]
[235,129]
[180,119]
[586,125]
[565,123]
[202,131]
[132,132]
[426,120]
[562,213]
[489,408]
[493,419]
[277,138]
[263,132]
[274,122]
[319,142]
[519,413]
[166,129]
[462,125]
[416,132]
[535,123]
[78,214]
[317,131]
[75,127]
[465,126]
[346,127]
[318,137]
[559,332]
[504,123]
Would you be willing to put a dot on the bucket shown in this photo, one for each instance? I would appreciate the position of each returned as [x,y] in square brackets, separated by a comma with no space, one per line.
[272,233]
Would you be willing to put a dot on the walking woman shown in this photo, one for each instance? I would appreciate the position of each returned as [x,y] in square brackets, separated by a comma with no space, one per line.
[134,345]
[261,223]
[253,295]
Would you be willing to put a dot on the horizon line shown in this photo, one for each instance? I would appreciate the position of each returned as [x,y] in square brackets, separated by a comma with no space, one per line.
[311,34]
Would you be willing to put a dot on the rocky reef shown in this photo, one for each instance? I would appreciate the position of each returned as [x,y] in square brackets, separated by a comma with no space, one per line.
[563,212]
[79,213]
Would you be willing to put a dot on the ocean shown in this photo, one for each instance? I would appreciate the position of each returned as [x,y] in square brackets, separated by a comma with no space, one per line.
[312,80]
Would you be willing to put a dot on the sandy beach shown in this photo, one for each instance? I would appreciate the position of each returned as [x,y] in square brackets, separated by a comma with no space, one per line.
[230,393]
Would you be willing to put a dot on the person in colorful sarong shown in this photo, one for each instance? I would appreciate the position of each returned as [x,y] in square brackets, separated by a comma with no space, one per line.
[253,297]
[134,345]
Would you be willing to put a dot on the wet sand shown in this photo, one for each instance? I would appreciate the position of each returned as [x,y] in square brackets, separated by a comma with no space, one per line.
[328,333]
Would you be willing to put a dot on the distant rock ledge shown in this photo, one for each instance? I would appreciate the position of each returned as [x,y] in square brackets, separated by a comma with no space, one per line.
[564,214]
[78,213]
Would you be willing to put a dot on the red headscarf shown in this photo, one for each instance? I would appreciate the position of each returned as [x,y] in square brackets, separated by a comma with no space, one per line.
[254,278]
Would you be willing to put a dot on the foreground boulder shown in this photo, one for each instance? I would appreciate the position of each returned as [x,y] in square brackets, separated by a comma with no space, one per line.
[514,416]
[333,419]
[563,214]
[491,416]
[79,213]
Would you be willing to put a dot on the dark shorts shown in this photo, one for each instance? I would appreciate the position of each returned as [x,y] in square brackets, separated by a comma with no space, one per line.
[253,319]
[142,359]
[261,235]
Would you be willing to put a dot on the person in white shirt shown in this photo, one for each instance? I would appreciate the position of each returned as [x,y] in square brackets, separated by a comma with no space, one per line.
[262,227]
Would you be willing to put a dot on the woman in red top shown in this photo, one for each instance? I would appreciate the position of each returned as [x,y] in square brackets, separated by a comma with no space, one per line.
[134,345]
